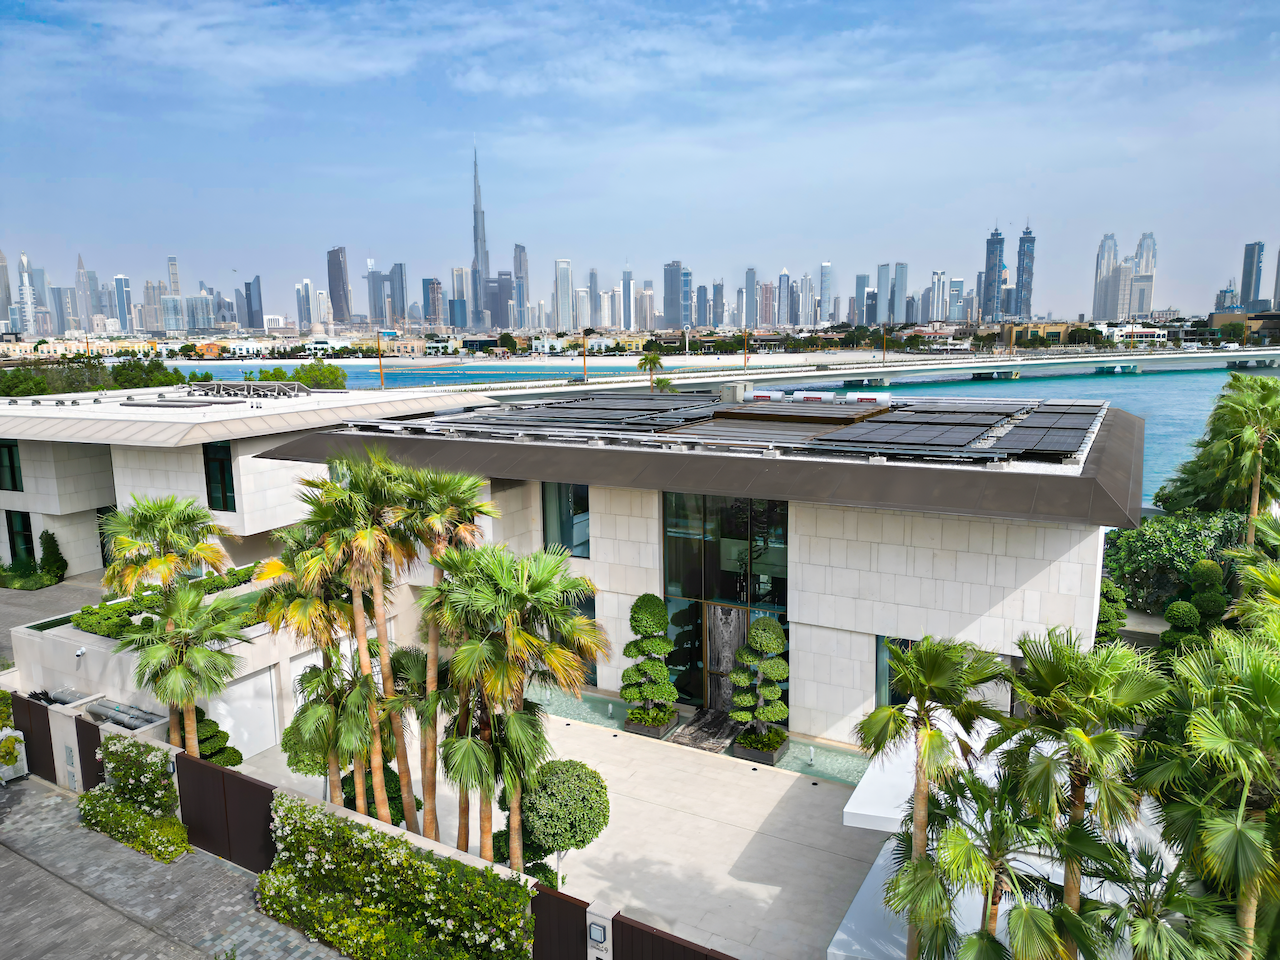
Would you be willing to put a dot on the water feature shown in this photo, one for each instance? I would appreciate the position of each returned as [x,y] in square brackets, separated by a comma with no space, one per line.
[829,763]
[590,709]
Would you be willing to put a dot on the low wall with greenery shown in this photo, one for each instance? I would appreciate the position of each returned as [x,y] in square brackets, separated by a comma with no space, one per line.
[372,894]
[137,803]
[112,618]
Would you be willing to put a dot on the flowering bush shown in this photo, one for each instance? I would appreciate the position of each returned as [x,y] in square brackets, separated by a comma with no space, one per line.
[164,838]
[372,895]
[138,774]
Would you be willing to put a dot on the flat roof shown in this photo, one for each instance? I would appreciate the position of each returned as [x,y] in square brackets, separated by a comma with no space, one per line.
[207,412]
[1066,461]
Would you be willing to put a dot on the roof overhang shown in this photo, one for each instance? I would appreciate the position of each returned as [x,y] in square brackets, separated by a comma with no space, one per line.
[1107,491]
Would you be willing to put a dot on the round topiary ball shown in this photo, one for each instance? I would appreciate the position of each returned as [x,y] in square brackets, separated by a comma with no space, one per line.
[649,616]
[1206,574]
[766,636]
[568,808]
[1182,616]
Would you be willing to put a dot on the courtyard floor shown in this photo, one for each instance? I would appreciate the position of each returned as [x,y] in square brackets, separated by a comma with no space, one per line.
[30,606]
[750,860]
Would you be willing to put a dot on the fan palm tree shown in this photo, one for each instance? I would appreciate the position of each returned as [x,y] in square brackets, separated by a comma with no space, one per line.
[157,541]
[1074,740]
[440,511]
[1219,778]
[1247,418]
[182,656]
[332,719]
[665,385]
[650,363]
[937,678]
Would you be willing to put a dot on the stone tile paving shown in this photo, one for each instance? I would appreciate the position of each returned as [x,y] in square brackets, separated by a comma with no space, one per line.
[29,606]
[194,908]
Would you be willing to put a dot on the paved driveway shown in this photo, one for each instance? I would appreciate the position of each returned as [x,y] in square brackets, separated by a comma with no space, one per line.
[30,606]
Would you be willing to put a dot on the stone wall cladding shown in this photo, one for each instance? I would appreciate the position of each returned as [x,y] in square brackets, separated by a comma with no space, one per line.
[857,573]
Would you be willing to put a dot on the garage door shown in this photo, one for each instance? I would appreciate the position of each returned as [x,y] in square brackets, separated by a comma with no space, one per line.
[247,711]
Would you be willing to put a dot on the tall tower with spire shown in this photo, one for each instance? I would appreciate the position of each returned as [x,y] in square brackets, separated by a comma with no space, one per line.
[480,260]
[84,298]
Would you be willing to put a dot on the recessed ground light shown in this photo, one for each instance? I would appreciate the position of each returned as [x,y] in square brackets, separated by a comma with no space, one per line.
[815,783]
[755,768]
[615,734]
[568,724]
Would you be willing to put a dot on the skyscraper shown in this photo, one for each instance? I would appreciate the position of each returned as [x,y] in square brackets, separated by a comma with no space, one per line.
[686,300]
[859,310]
[398,280]
[1251,275]
[937,302]
[900,300]
[827,291]
[717,304]
[201,314]
[740,307]
[84,294]
[1142,291]
[253,305]
[324,311]
[768,311]
[433,300]
[1275,296]
[955,299]
[172,314]
[339,286]
[1026,268]
[781,314]
[1145,256]
[1108,257]
[6,292]
[175,288]
[628,300]
[500,318]
[703,318]
[306,308]
[751,318]
[671,293]
[461,294]
[593,293]
[991,294]
[377,281]
[883,284]
[807,301]
[480,259]
[562,297]
[520,273]
[124,303]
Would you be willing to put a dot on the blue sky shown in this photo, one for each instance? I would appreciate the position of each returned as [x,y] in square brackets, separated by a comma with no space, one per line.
[251,136]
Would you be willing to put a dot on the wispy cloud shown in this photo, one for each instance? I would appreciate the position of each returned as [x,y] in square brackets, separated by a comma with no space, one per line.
[1174,41]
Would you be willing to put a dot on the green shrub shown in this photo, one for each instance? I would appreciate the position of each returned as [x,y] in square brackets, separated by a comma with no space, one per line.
[648,682]
[657,716]
[139,774]
[164,838]
[1183,616]
[391,780]
[52,563]
[767,742]
[9,749]
[301,759]
[6,709]
[112,617]
[373,895]
[544,873]
[1207,594]
[761,667]
[1111,612]
[212,740]
[226,757]
[568,808]
[1153,563]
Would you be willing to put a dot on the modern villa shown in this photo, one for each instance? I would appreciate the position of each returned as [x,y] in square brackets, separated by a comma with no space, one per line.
[857,525]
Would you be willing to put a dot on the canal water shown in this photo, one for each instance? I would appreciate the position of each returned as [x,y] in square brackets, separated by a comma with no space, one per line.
[1174,403]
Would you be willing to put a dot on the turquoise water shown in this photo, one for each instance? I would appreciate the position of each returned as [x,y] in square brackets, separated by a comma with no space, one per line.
[1174,404]
[829,763]
[590,709]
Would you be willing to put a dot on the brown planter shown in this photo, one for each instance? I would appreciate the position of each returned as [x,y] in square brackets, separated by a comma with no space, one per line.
[759,756]
[647,731]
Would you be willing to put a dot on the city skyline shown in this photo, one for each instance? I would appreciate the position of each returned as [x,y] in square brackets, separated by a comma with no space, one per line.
[1144,100]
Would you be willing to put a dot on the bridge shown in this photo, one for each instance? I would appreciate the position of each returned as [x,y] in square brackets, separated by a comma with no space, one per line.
[857,369]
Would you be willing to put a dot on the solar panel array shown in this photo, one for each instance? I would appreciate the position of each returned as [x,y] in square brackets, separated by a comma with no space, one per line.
[1056,428]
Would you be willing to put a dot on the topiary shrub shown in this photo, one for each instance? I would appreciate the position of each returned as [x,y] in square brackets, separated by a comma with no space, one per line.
[213,740]
[302,760]
[1111,612]
[1184,623]
[648,682]
[1207,593]
[568,808]
[52,562]
[757,698]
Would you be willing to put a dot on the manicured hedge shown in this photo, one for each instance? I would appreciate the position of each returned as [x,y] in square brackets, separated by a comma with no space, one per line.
[113,618]
[373,895]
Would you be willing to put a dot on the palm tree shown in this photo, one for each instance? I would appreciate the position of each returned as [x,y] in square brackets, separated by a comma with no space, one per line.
[1219,778]
[516,619]
[1247,417]
[182,656]
[426,700]
[441,510]
[650,363]
[1165,915]
[1074,741]
[665,385]
[332,719]
[937,679]
[158,540]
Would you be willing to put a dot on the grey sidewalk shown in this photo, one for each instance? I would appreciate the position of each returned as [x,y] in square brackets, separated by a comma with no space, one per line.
[67,892]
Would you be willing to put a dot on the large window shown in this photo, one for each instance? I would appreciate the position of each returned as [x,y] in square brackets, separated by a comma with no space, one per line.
[22,548]
[725,564]
[566,517]
[10,466]
[219,482]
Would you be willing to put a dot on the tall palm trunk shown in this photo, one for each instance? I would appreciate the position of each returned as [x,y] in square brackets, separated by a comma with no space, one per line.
[464,797]
[357,778]
[919,830]
[486,797]
[1246,918]
[397,718]
[430,734]
[1253,499]
[335,779]
[993,910]
[175,726]
[189,723]
[515,820]
[381,807]
[1071,865]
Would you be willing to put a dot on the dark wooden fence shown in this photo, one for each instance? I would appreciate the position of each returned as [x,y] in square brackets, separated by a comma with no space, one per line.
[560,925]
[226,812]
[88,740]
[32,719]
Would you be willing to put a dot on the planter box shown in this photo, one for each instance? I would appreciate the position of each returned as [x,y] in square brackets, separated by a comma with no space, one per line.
[759,756]
[19,770]
[656,732]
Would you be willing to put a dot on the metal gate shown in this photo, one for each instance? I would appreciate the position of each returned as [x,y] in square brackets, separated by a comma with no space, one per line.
[559,925]
[88,740]
[32,719]
[638,941]
[226,813]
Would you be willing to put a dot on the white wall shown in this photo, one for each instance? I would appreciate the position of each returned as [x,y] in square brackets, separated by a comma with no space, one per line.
[858,573]
[61,478]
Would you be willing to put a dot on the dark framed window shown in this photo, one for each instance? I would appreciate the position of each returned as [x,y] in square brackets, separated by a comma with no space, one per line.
[218,479]
[22,547]
[724,566]
[885,694]
[10,466]
[566,517]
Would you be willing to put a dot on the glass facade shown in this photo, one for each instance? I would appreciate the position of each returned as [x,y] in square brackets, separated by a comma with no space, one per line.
[885,694]
[566,517]
[219,482]
[22,546]
[10,466]
[725,564]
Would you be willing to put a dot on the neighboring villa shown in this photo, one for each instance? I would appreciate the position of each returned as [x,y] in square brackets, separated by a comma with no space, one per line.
[857,525]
